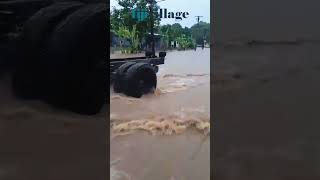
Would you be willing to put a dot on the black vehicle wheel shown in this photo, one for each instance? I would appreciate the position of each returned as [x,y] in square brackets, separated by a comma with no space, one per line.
[77,46]
[140,79]
[32,46]
[120,74]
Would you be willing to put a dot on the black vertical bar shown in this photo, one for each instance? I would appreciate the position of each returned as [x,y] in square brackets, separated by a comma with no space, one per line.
[151,25]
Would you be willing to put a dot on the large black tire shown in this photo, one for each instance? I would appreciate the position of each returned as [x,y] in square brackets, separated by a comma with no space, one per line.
[32,47]
[140,79]
[118,84]
[38,28]
[76,48]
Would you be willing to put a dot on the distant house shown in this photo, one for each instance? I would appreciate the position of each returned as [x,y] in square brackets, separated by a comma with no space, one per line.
[117,41]
[174,44]
[120,42]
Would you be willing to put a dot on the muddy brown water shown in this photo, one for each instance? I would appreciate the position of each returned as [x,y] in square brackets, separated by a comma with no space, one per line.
[165,135]
[42,142]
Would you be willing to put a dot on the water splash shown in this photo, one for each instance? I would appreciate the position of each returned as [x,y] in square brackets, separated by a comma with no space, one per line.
[160,125]
[168,83]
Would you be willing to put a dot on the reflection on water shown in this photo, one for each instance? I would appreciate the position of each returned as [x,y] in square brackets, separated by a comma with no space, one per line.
[165,135]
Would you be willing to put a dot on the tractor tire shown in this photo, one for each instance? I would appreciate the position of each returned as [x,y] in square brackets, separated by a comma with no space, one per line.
[38,28]
[76,48]
[140,79]
[32,47]
[120,74]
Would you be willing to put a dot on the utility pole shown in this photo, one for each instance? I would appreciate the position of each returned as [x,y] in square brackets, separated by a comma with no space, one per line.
[198,18]
[151,26]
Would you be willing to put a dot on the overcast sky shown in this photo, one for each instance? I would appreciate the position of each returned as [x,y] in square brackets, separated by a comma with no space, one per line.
[193,7]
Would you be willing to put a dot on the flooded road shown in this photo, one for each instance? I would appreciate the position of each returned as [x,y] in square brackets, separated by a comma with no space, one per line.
[165,135]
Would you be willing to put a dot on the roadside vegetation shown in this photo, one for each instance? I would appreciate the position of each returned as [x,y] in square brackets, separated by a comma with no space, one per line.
[128,29]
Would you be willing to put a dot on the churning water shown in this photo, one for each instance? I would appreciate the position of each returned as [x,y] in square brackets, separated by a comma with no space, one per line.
[165,135]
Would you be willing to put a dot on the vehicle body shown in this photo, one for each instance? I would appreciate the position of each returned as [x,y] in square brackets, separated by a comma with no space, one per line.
[116,63]
[55,52]
[137,76]
[119,69]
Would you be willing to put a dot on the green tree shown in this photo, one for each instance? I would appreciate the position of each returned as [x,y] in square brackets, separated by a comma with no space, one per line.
[131,35]
[201,32]
[176,32]
[185,42]
[123,17]
[166,32]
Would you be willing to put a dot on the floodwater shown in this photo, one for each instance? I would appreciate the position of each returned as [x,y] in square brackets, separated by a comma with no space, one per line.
[165,135]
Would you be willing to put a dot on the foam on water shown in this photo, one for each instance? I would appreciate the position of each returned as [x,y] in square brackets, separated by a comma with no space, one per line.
[169,83]
[158,123]
[162,124]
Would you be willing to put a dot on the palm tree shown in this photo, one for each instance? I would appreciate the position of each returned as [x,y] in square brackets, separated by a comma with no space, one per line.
[124,33]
